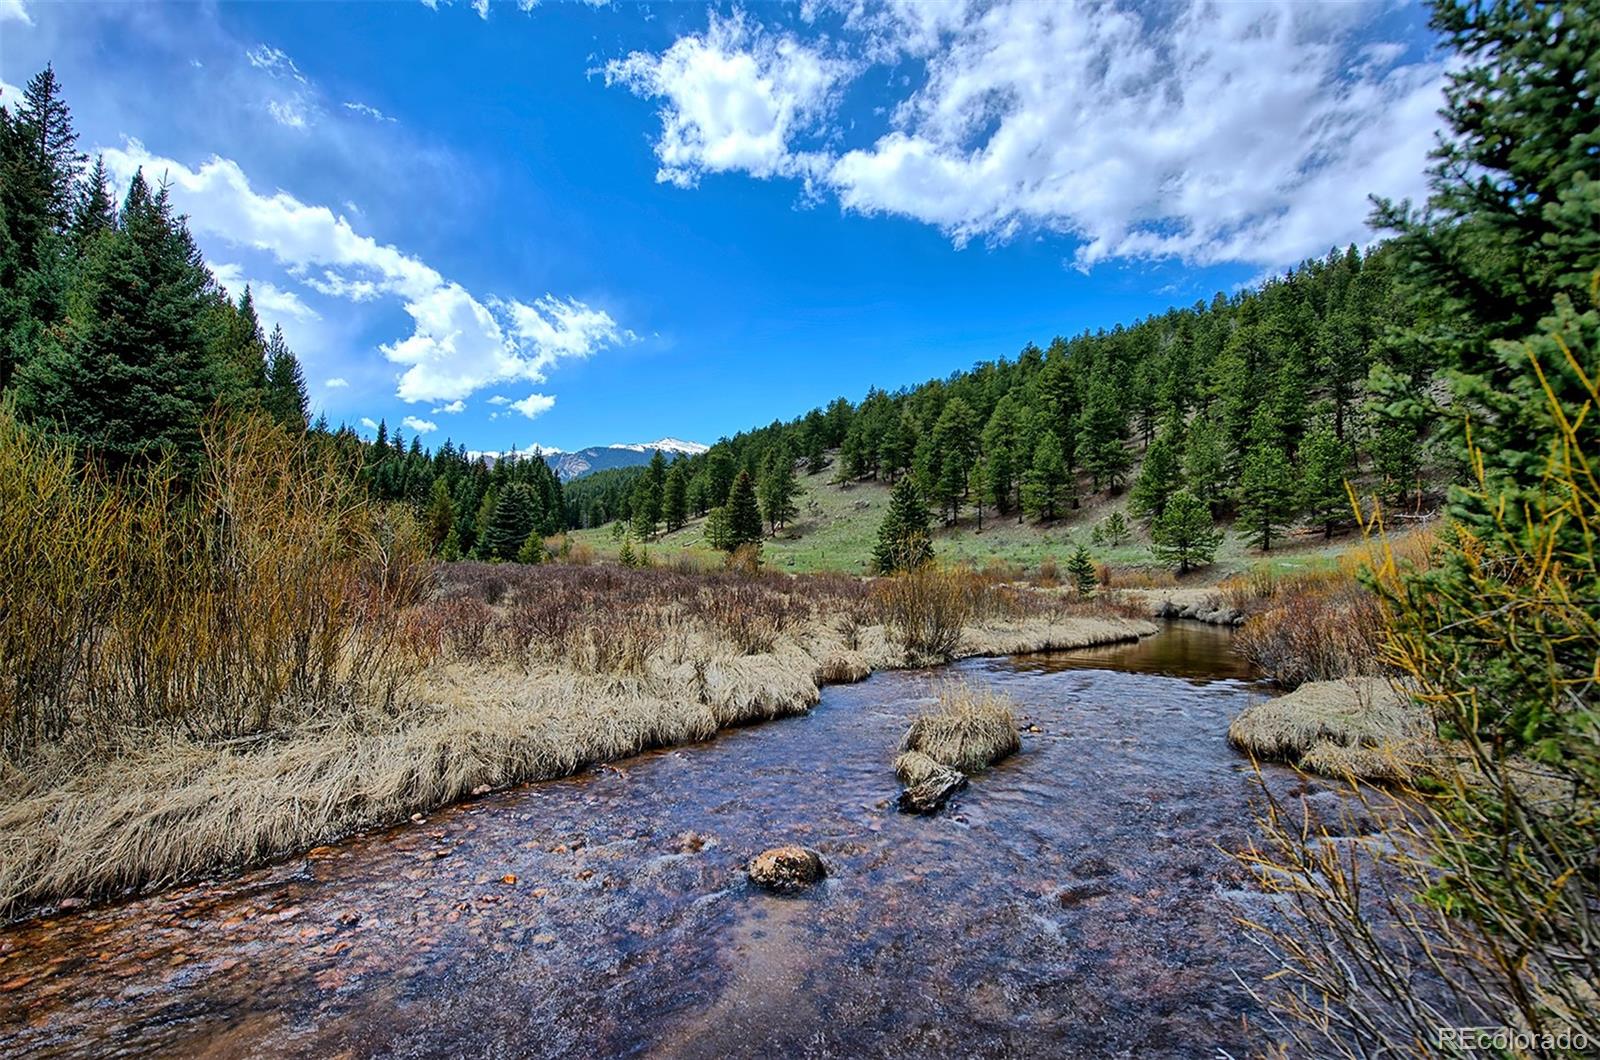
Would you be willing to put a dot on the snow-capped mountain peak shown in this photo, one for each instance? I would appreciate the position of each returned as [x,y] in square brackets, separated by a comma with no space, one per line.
[623,454]
[666,445]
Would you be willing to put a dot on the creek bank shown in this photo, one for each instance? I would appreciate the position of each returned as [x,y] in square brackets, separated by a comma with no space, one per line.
[1199,605]
[1360,728]
[1097,856]
[172,809]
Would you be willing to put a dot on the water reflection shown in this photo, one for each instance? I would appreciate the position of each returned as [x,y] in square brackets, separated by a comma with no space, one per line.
[1067,903]
[1192,650]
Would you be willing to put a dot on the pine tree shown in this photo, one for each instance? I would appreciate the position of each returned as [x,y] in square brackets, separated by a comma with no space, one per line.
[1205,465]
[1100,436]
[286,399]
[95,210]
[1000,456]
[815,458]
[1267,493]
[1045,488]
[240,356]
[675,496]
[441,515]
[1184,533]
[46,121]
[1158,479]
[718,536]
[903,539]
[132,378]
[954,450]
[1323,493]
[532,550]
[626,555]
[719,475]
[509,524]
[1113,530]
[897,445]
[744,517]
[1082,571]
[778,488]
[648,496]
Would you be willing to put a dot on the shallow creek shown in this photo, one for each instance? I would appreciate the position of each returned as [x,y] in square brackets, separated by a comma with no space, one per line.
[1072,901]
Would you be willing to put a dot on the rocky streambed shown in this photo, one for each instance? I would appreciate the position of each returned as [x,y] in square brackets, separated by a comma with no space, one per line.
[1073,900]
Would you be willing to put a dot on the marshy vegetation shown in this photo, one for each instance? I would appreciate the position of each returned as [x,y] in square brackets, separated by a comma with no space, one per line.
[199,676]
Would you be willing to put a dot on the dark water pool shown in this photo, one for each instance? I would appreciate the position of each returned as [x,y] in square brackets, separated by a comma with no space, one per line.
[1070,902]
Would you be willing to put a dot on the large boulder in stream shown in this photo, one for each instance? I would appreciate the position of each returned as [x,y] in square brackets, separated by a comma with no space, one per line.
[786,868]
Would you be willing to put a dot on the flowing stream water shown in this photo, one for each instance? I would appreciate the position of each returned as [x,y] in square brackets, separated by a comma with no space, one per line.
[1077,899]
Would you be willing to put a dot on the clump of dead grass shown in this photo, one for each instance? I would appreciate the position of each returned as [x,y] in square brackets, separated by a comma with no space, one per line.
[969,729]
[1356,728]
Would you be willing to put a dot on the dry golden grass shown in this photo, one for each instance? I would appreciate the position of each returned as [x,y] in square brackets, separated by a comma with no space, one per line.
[1355,728]
[522,673]
[968,730]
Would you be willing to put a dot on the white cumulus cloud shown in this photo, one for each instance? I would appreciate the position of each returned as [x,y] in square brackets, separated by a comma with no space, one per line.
[15,11]
[336,383]
[733,98]
[534,405]
[450,408]
[1203,131]
[459,342]
[421,426]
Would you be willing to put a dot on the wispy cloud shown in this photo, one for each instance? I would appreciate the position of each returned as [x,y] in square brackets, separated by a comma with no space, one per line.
[367,111]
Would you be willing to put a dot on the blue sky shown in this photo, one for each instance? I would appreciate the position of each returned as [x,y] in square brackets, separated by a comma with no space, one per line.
[574,224]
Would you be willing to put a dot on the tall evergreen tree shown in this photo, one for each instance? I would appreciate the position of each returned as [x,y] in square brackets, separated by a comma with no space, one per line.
[440,521]
[955,450]
[46,126]
[675,496]
[95,210]
[1184,534]
[1206,468]
[744,516]
[285,399]
[132,379]
[778,488]
[1160,476]
[1100,437]
[1045,487]
[903,539]
[509,524]
[1322,483]
[1267,491]
[1000,456]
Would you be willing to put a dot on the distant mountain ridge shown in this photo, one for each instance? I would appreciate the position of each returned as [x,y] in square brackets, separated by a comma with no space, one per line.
[569,466]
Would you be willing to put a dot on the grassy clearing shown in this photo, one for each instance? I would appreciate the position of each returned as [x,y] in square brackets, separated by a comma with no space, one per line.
[517,674]
[838,526]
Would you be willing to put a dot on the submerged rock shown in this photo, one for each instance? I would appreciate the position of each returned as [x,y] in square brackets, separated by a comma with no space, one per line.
[786,868]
